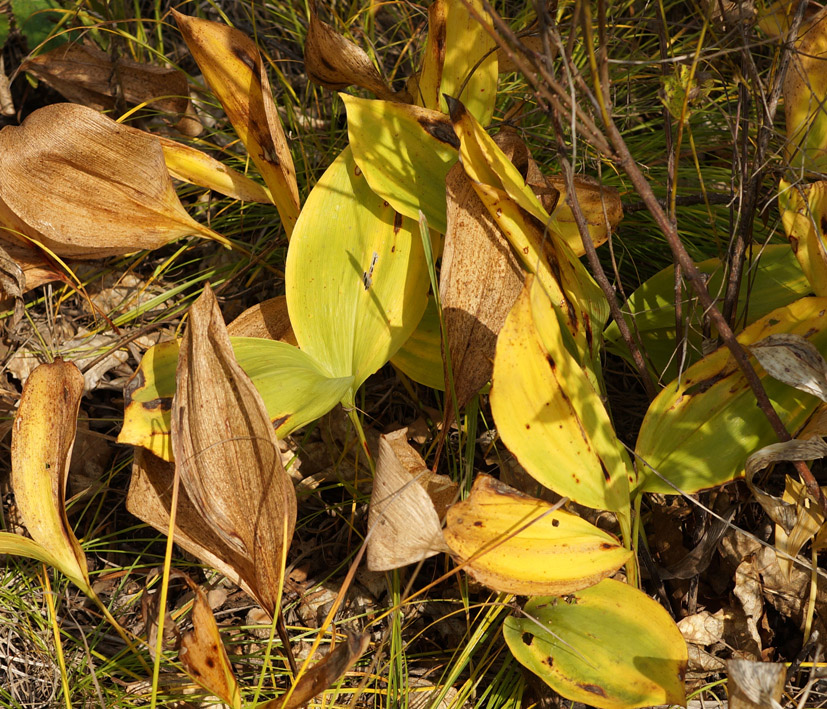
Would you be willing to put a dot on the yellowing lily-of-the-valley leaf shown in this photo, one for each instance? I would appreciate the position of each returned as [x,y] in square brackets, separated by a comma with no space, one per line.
[518,544]
[356,279]
[803,211]
[711,408]
[548,413]
[608,646]
[459,59]
[404,152]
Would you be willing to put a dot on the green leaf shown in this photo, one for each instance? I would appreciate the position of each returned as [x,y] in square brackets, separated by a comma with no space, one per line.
[356,280]
[36,20]
[608,646]
[294,388]
[701,428]
[549,414]
[773,280]
[405,152]
[420,358]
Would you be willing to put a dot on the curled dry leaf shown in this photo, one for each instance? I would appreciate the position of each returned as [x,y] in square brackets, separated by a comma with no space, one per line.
[755,685]
[86,187]
[479,282]
[268,319]
[84,74]
[335,62]
[782,513]
[403,524]
[203,654]
[518,544]
[42,439]
[227,454]
[791,359]
[809,521]
[323,674]
[232,66]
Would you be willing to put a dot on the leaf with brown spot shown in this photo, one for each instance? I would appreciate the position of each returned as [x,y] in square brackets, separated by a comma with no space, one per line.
[84,74]
[804,216]
[460,59]
[479,281]
[65,150]
[234,69]
[323,674]
[227,456]
[518,544]
[335,62]
[403,524]
[204,656]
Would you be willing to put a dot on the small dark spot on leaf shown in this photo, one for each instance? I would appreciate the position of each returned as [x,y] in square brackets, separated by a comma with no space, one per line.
[478,523]
[209,662]
[555,523]
[527,638]
[527,426]
[593,689]
[397,222]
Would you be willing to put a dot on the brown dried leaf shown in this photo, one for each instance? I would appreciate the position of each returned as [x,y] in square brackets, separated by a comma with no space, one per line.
[334,62]
[793,360]
[232,66]
[781,512]
[601,207]
[87,187]
[755,685]
[403,525]
[85,74]
[808,521]
[323,674]
[227,454]
[204,656]
[269,319]
[479,282]
[150,500]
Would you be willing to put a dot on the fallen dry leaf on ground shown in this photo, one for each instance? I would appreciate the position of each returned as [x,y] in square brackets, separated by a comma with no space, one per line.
[86,187]
[227,454]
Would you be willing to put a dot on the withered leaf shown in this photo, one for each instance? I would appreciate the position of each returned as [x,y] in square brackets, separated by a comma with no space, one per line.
[479,282]
[793,360]
[323,674]
[87,187]
[85,74]
[227,454]
[268,319]
[335,62]
[233,67]
[203,653]
[403,524]
[755,685]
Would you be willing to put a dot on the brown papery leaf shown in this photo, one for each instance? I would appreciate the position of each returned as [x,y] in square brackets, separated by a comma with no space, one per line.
[793,360]
[227,454]
[601,207]
[203,654]
[232,66]
[479,282]
[323,674]
[755,685]
[334,62]
[85,74]
[150,500]
[89,187]
[403,525]
[268,319]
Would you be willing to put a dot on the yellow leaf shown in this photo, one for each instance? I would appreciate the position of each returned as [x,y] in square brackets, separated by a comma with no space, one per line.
[460,60]
[548,413]
[232,66]
[518,544]
[356,280]
[42,439]
[804,224]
